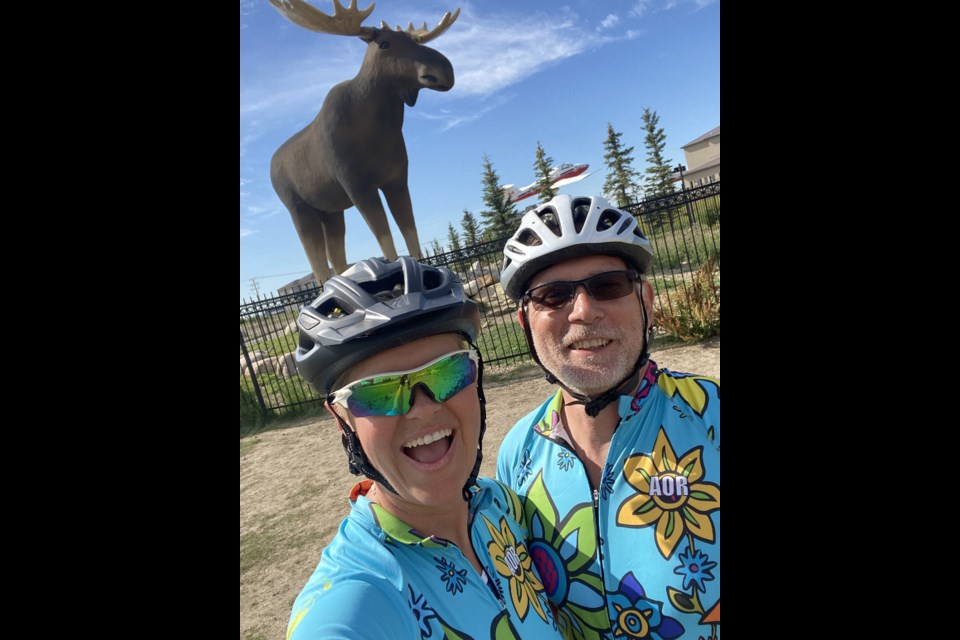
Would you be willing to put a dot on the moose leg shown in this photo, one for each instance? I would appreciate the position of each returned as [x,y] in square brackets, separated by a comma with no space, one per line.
[335,231]
[369,205]
[309,224]
[398,197]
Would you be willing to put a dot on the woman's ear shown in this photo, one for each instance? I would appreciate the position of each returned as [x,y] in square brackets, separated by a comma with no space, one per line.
[337,417]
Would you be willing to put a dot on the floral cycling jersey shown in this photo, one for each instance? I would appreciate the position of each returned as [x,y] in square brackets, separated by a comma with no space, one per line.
[638,556]
[378,578]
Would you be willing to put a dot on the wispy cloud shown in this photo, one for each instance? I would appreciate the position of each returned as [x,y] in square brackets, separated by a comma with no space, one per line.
[646,7]
[290,85]
[492,52]
[246,232]
[609,21]
[246,9]
[259,211]
[285,94]
[641,8]
[454,119]
[632,34]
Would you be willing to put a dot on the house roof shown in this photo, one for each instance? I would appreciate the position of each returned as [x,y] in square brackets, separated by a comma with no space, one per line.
[709,134]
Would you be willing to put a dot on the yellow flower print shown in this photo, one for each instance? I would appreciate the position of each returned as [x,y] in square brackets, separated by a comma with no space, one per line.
[670,495]
[512,561]
[693,389]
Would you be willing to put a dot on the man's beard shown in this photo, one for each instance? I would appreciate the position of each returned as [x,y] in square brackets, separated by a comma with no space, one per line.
[599,374]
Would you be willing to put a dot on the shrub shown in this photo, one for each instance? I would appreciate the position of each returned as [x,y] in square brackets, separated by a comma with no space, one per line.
[713,213]
[693,311]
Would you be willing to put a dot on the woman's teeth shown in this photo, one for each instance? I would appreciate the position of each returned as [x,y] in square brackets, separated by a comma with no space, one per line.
[427,439]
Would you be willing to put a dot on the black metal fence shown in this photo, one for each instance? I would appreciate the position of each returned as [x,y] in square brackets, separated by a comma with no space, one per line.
[684,229]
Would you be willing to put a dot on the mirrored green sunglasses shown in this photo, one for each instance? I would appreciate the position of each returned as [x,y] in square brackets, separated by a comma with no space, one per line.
[391,394]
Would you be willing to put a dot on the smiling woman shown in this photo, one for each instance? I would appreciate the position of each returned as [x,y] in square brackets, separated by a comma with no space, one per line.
[391,345]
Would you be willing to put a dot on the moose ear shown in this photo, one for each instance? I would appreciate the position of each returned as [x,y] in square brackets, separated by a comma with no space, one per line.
[368,34]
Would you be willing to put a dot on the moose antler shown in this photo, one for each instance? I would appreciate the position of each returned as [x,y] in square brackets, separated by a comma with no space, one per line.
[345,21]
[422,35]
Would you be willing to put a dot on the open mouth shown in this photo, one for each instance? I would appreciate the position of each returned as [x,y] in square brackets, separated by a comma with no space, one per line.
[429,448]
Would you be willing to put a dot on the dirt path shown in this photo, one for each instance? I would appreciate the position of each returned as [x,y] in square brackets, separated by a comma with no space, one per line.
[294,484]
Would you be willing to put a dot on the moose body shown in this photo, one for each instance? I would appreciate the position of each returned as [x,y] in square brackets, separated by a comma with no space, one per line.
[354,148]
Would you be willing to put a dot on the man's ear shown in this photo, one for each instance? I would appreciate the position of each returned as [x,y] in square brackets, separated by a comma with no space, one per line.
[647,293]
[521,318]
[646,297]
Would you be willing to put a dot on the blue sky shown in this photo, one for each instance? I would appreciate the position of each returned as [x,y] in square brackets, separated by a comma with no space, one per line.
[526,71]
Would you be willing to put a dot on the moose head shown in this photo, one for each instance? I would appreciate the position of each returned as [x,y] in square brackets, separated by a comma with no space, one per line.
[354,147]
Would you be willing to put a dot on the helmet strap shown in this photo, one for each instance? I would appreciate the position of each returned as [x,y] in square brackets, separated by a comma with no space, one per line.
[472,480]
[356,458]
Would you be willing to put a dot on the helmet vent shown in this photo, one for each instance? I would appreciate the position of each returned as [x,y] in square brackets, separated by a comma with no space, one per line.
[384,288]
[431,279]
[608,218]
[528,238]
[581,207]
[386,296]
[623,227]
[331,309]
[548,215]
[639,233]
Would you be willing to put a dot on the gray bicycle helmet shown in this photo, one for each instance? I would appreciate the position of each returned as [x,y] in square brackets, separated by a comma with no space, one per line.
[373,306]
[376,305]
[567,228]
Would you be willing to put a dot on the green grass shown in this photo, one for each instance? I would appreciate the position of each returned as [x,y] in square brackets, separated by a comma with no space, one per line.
[690,246]
[277,345]
[278,534]
[246,446]
[257,548]
[501,337]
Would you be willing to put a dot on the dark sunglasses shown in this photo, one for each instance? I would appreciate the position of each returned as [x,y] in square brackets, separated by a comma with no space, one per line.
[391,394]
[609,285]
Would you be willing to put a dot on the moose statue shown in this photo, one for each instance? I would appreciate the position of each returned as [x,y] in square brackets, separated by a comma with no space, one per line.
[355,144]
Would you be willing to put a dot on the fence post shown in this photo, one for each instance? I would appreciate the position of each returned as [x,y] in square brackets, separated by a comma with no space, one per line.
[253,376]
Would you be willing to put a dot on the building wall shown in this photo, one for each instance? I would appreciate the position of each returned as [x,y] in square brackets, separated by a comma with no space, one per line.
[700,178]
[702,152]
[699,154]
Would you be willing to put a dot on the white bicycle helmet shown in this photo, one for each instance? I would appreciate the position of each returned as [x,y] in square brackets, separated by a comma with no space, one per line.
[567,228]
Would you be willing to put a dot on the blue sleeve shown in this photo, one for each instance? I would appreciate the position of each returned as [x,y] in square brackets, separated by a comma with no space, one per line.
[351,610]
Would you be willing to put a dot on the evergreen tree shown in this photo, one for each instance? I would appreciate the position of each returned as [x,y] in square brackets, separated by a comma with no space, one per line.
[659,180]
[621,183]
[453,238]
[471,230]
[436,247]
[541,171]
[500,217]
